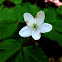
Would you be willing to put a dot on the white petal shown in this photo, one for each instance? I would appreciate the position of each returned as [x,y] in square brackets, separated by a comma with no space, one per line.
[45,27]
[41,16]
[25,32]
[30,24]
[36,34]
[28,17]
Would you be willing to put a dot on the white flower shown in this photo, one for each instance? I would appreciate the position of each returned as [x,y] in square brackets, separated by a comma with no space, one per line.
[35,26]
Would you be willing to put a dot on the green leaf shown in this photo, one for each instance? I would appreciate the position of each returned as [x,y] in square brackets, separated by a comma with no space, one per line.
[26,7]
[21,40]
[1,1]
[18,58]
[30,54]
[1,7]
[50,15]
[8,48]
[18,11]
[34,54]
[59,10]
[33,9]
[7,14]
[59,13]
[58,25]
[4,55]
[53,35]
[24,54]
[8,23]
[52,18]
[17,1]
[7,29]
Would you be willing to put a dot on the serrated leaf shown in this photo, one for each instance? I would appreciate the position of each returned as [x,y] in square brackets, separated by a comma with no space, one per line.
[50,15]
[9,44]
[34,54]
[8,23]
[53,35]
[7,29]
[58,25]
[7,14]
[8,48]
[24,54]
[19,10]
[17,1]
[33,9]
[52,18]
[31,54]
[4,55]
[59,10]
[17,58]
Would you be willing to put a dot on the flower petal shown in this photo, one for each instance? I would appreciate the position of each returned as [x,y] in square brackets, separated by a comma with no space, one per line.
[36,34]
[28,17]
[45,27]
[40,16]
[30,24]
[25,32]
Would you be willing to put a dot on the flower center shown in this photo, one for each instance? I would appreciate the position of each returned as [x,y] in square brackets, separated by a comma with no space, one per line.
[34,25]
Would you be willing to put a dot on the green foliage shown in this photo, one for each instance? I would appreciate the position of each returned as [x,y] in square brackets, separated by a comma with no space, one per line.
[51,17]
[8,15]
[53,35]
[33,9]
[58,25]
[59,13]
[59,10]
[31,53]
[34,54]
[18,58]
[8,48]
[21,40]
[8,23]
[7,29]
[1,1]
[17,1]
[19,10]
